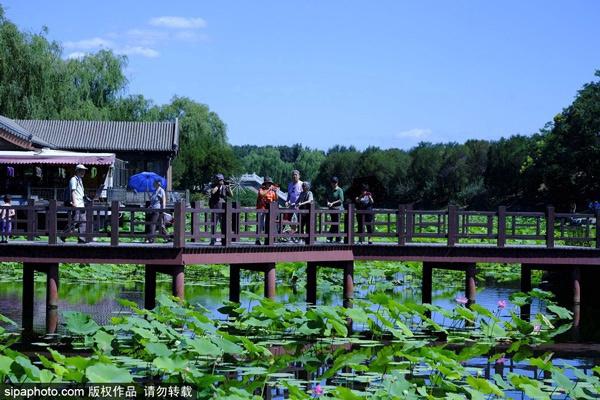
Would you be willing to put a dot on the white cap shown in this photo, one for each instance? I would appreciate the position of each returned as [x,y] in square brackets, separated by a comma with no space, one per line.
[81,166]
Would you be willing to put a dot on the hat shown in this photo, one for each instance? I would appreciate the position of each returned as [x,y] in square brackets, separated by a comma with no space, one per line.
[81,166]
[268,179]
[295,172]
[334,179]
[219,177]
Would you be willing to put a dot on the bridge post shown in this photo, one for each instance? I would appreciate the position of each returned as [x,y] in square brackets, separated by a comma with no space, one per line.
[409,223]
[312,224]
[234,283]
[226,241]
[400,224]
[114,223]
[51,220]
[89,223]
[452,225]
[31,220]
[348,283]
[272,223]
[470,284]
[598,229]
[270,280]
[501,226]
[550,227]
[235,216]
[196,205]
[525,288]
[179,225]
[349,225]
[150,287]
[426,283]
[28,296]
[311,283]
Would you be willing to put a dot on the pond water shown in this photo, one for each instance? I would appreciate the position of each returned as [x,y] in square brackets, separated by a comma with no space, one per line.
[99,300]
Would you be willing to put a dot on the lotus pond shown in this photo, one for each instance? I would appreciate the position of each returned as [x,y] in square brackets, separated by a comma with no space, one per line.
[396,347]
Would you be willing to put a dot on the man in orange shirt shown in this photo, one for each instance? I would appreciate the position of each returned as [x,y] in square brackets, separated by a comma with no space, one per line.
[267,194]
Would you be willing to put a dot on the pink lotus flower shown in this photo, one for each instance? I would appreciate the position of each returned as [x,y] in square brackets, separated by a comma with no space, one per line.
[462,300]
[537,328]
[502,360]
[318,390]
[501,304]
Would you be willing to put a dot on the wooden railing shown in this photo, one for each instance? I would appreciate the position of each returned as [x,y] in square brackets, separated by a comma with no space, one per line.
[232,225]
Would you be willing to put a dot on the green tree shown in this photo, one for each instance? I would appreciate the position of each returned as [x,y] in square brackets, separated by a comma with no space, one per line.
[203,146]
[567,157]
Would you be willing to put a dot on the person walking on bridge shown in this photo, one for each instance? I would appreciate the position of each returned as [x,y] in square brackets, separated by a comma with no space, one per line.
[335,201]
[76,193]
[294,190]
[267,193]
[218,198]
[364,202]
[158,203]
[6,215]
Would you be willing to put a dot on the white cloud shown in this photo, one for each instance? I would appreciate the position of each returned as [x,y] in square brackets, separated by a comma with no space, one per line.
[138,51]
[76,55]
[146,37]
[88,44]
[415,133]
[178,22]
[190,36]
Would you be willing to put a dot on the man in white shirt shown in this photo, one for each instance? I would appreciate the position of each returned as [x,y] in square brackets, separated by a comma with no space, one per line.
[77,200]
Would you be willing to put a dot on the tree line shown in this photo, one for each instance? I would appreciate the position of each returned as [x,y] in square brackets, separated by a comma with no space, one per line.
[558,165]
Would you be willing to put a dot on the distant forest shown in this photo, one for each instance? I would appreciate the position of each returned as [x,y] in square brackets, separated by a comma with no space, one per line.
[558,165]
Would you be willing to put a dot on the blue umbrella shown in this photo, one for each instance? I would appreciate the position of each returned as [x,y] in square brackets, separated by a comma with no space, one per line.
[144,181]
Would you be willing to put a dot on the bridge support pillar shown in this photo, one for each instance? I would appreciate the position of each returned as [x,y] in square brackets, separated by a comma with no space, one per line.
[427,283]
[470,283]
[576,285]
[348,280]
[52,284]
[176,272]
[311,283]
[270,279]
[525,288]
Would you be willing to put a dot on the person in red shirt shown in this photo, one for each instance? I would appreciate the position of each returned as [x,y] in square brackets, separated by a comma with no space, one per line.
[267,194]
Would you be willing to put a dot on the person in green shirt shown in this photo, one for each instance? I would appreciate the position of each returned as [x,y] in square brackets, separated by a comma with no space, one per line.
[335,201]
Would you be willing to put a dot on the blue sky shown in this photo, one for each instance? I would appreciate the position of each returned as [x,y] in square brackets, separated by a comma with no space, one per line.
[385,73]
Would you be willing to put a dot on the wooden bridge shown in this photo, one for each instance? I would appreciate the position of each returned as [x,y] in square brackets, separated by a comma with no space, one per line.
[449,239]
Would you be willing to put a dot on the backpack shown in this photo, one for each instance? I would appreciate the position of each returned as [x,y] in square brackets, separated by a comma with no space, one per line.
[67,197]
